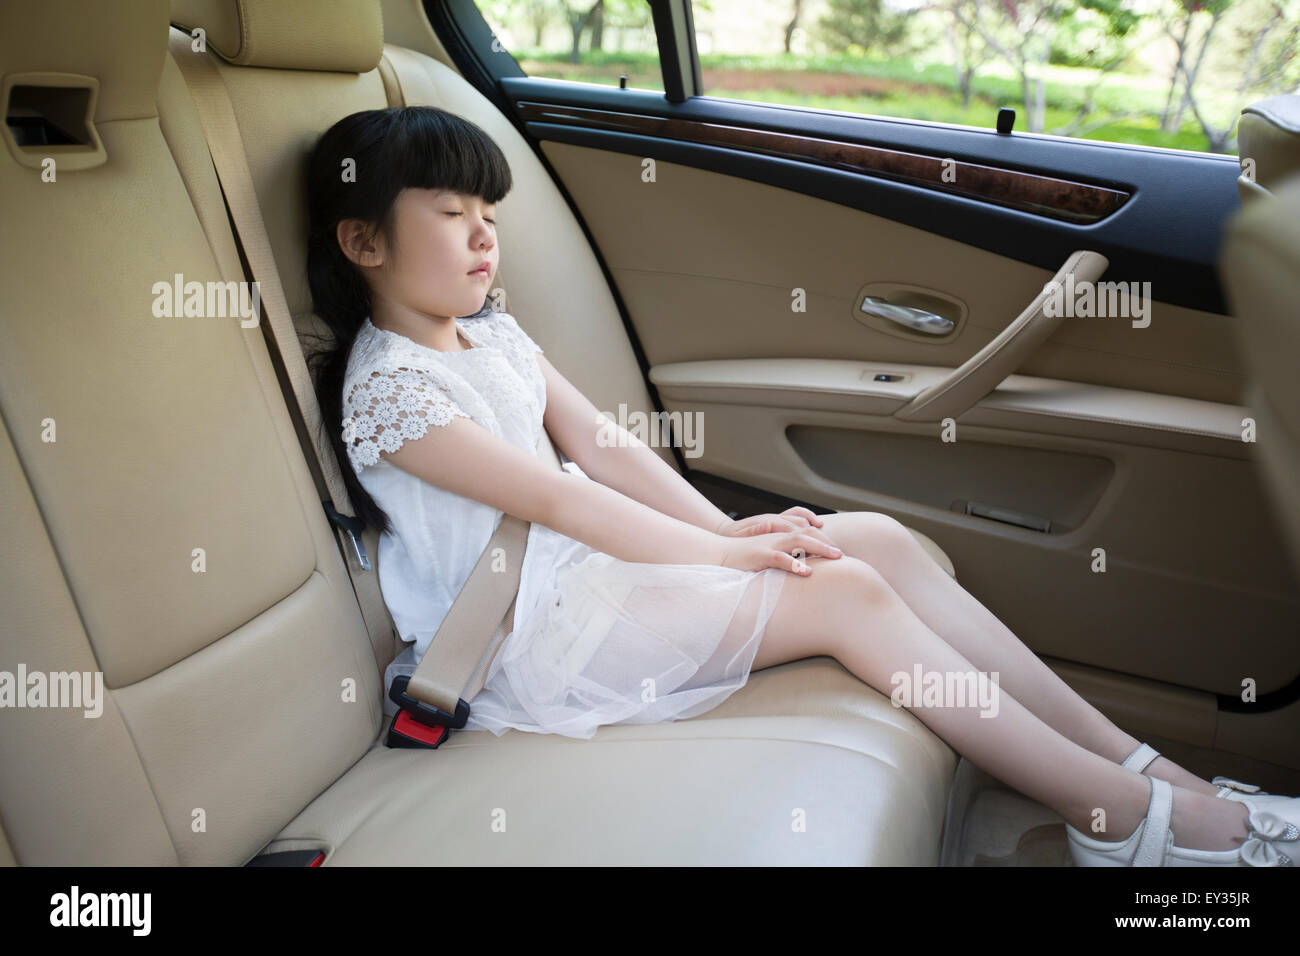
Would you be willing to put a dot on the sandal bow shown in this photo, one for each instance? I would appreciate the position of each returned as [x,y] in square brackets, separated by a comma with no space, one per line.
[1266,830]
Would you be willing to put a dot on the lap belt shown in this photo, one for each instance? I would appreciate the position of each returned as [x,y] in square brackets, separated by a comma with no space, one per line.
[433,700]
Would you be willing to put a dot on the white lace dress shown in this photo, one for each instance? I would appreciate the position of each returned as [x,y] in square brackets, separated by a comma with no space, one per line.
[594,640]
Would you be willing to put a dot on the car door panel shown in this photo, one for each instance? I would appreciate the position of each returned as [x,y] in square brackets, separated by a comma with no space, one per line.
[707,245]
[1144,423]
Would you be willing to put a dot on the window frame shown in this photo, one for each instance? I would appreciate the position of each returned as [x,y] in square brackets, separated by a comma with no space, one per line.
[679,59]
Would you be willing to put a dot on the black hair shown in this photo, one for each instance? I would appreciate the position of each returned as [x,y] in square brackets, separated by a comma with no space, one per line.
[420,147]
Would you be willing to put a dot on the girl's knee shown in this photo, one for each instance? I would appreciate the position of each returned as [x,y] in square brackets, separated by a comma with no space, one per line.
[887,535]
[875,537]
[873,529]
[842,593]
[888,526]
[852,578]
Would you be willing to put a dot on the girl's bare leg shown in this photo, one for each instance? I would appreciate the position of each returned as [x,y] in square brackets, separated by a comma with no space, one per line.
[846,609]
[951,611]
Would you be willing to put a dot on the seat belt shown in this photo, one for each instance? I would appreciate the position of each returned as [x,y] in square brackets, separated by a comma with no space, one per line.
[406,82]
[225,145]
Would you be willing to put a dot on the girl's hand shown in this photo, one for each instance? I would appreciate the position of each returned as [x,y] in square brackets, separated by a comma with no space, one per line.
[792,519]
[784,550]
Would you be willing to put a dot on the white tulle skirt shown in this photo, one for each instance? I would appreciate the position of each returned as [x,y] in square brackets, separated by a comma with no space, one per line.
[616,642]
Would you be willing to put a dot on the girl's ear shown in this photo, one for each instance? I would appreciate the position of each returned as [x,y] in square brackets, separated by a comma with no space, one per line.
[359,242]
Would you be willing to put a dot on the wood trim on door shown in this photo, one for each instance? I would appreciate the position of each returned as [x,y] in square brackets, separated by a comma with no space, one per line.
[1063,199]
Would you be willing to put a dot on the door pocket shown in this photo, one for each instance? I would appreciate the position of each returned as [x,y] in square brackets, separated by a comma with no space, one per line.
[1051,491]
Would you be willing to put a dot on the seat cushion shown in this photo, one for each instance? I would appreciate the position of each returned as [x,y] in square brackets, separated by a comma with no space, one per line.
[805,765]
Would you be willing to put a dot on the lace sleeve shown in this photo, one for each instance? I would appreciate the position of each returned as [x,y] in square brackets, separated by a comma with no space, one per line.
[390,407]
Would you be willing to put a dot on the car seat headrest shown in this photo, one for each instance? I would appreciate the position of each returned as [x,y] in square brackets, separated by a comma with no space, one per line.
[343,36]
[1268,142]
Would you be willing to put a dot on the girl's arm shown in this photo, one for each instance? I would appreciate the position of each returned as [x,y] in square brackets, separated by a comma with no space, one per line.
[463,457]
[630,467]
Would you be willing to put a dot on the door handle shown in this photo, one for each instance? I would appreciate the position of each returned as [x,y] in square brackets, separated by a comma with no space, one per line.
[907,316]
[987,368]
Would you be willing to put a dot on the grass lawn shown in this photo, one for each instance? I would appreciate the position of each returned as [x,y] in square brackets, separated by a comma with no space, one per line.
[902,88]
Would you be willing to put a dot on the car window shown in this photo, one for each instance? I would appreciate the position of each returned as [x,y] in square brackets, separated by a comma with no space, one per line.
[587,41]
[1169,73]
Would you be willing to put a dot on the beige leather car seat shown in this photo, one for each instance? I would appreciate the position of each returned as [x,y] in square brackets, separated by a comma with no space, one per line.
[1260,266]
[165,534]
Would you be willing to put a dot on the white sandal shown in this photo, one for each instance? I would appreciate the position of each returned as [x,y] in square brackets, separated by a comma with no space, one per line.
[1272,841]
[1229,789]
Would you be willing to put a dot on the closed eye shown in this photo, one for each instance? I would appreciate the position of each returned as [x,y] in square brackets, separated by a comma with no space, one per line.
[485,219]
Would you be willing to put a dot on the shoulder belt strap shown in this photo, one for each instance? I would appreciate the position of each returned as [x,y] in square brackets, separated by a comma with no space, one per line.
[225,144]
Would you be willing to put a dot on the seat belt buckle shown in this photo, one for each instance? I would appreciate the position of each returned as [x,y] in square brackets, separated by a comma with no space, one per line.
[407,732]
[421,725]
[352,527]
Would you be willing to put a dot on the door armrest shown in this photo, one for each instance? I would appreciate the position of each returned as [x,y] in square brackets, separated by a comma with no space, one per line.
[987,368]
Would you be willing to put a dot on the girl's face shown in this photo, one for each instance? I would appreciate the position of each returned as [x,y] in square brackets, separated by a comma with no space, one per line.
[440,238]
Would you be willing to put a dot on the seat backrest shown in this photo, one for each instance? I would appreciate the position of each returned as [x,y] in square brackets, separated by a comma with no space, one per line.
[1268,137]
[1260,263]
[163,533]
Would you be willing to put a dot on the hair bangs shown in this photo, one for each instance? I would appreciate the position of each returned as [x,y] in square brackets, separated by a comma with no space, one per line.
[438,150]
